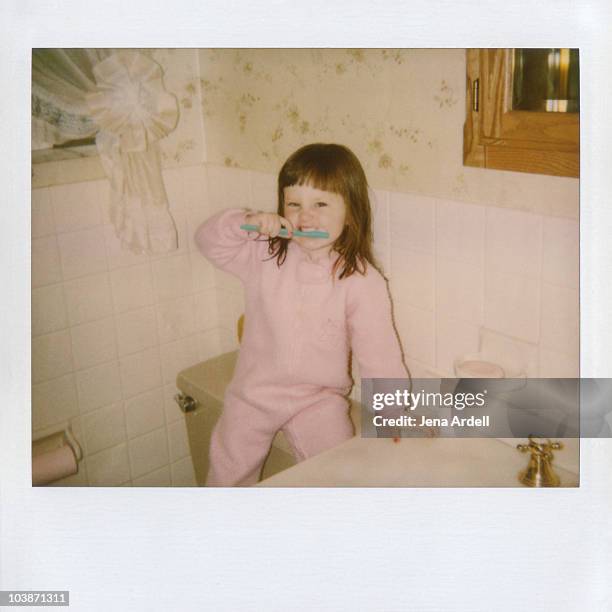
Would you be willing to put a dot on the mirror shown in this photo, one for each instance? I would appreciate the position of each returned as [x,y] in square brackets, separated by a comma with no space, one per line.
[545,80]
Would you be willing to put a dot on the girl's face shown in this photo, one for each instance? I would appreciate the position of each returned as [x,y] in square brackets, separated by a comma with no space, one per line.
[309,208]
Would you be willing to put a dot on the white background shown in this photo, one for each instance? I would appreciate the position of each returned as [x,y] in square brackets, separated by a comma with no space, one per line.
[305,549]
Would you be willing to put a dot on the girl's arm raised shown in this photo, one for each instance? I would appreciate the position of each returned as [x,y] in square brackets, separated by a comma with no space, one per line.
[221,240]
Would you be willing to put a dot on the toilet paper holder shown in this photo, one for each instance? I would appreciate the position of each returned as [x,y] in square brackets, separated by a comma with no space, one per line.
[55,457]
[56,440]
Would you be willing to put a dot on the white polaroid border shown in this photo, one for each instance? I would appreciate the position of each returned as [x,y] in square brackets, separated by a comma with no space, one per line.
[305,549]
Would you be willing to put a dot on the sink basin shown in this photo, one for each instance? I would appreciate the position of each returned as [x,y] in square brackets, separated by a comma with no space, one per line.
[413,462]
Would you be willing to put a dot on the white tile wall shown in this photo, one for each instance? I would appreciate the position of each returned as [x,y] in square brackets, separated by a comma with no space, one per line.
[560,264]
[176,318]
[43,223]
[460,231]
[88,298]
[416,329]
[178,444]
[203,272]
[412,221]
[459,290]
[132,287]
[206,310]
[94,343]
[51,356]
[140,372]
[513,242]
[82,252]
[110,326]
[512,354]
[512,305]
[110,467]
[148,452]
[104,428]
[560,324]
[381,230]
[453,339]
[415,277]
[178,355]
[145,412]
[171,409]
[194,183]
[111,329]
[228,340]
[513,272]
[136,330]
[158,478]
[210,344]
[46,268]
[48,310]
[54,401]
[98,386]
[76,206]
[554,364]
[172,277]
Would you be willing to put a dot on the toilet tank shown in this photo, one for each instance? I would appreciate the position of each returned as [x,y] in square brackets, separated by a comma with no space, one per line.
[206,382]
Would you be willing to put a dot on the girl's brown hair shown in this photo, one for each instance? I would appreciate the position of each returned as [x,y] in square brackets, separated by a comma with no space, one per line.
[335,168]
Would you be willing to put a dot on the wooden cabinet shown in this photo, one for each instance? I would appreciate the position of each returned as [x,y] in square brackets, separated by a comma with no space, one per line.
[497,136]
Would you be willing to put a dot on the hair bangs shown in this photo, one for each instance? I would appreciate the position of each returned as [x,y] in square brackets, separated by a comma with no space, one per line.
[319,173]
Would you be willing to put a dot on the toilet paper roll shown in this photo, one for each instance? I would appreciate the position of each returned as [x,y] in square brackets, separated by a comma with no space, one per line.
[53,465]
[49,443]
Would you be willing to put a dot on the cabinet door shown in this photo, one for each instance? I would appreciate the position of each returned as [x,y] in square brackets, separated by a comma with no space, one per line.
[498,136]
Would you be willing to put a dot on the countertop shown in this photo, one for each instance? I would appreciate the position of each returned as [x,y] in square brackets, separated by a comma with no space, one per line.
[413,462]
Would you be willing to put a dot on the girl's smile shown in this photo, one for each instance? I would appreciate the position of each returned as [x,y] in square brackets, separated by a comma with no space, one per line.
[309,208]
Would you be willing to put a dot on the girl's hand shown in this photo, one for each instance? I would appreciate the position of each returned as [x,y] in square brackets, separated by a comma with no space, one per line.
[269,224]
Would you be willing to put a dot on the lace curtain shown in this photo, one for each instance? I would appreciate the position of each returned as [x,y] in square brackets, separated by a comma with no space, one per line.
[118,96]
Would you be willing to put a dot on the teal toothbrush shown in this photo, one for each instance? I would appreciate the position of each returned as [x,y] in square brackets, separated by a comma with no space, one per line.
[283,233]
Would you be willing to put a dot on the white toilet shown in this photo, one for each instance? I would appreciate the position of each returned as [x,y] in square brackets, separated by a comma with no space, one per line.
[202,387]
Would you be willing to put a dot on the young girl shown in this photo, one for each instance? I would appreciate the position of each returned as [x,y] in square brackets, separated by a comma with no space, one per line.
[309,303]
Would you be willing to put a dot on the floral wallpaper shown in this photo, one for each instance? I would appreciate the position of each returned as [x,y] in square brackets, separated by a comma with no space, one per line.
[260,105]
[185,145]
[400,110]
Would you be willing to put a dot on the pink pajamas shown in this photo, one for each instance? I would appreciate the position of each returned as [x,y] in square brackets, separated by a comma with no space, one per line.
[292,371]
